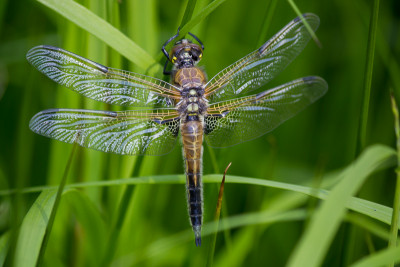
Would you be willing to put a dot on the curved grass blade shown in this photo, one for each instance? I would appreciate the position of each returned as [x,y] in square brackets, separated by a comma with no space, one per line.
[193,22]
[211,250]
[371,209]
[318,236]
[168,244]
[93,225]
[188,12]
[33,230]
[381,258]
[368,74]
[37,224]
[4,247]
[396,200]
[308,27]
[100,28]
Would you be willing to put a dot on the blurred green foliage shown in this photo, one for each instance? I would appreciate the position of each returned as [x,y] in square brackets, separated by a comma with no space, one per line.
[320,140]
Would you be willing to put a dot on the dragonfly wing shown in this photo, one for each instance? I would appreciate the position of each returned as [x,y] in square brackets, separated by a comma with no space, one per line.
[138,132]
[101,83]
[262,65]
[234,121]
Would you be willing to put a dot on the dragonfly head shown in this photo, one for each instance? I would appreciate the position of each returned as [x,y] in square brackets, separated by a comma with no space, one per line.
[185,54]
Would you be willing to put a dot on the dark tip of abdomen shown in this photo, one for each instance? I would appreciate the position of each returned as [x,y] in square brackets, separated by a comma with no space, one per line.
[197,235]
[198,241]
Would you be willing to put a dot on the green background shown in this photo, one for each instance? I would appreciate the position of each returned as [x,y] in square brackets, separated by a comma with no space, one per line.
[318,142]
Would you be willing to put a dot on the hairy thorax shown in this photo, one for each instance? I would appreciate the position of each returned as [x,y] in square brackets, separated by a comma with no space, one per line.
[192,105]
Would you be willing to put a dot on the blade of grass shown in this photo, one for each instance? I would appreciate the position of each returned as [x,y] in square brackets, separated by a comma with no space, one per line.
[54,208]
[38,222]
[4,246]
[314,243]
[211,250]
[193,22]
[89,217]
[267,22]
[165,245]
[33,230]
[308,27]
[380,258]
[371,209]
[396,200]
[368,74]
[92,23]
[120,216]
[188,12]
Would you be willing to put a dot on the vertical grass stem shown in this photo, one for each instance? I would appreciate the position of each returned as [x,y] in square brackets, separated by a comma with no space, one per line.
[396,201]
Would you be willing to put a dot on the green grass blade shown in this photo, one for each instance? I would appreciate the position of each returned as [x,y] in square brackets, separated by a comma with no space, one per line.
[188,12]
[309,29]
[211,250]
[396,200]
[33,230]
[93,226]
[100,28]
[380,258]
[120,216]
[368,74]
[4,246]
[267,22]
[325,222]
[165,245]
[193,22]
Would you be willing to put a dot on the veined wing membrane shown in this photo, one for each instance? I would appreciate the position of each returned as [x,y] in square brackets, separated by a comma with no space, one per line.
[262,65]
[100,83]
[235,121]
[137,132]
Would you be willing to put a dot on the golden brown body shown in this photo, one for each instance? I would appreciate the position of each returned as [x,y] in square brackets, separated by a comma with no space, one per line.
[190,77]
[192,108]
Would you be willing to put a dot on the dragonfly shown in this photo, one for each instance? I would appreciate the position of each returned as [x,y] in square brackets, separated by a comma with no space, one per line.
[188,108]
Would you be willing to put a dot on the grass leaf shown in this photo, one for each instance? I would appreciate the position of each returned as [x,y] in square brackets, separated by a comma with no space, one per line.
[381,258]
[91,221]
[4,246]
[325,222]
[100,28]
[33,230]
[368,73]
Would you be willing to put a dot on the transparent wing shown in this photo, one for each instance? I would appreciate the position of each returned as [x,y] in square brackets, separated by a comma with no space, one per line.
[262,65]
[242,119]
[138,132]
[100,83]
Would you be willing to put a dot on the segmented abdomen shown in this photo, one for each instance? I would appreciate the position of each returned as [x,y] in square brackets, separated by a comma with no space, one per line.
[192,139]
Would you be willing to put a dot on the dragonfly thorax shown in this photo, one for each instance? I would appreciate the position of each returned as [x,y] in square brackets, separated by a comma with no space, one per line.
[192,103]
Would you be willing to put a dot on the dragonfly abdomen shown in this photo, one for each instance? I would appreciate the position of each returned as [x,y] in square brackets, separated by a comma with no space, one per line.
[192,139]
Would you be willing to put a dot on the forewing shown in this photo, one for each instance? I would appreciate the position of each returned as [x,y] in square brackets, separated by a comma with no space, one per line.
[235,121]
[262,65]
[100,83]
[138,132]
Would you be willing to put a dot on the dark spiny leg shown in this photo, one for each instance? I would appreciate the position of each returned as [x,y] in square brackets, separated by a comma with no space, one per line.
[165,71]
[167,42]
[197,39]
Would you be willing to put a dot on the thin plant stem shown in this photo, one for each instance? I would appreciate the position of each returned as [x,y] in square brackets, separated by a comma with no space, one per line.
[120,217]
[373,23]
[217,213]
[308,27]
[396,201]
[187,16]
[56,204]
